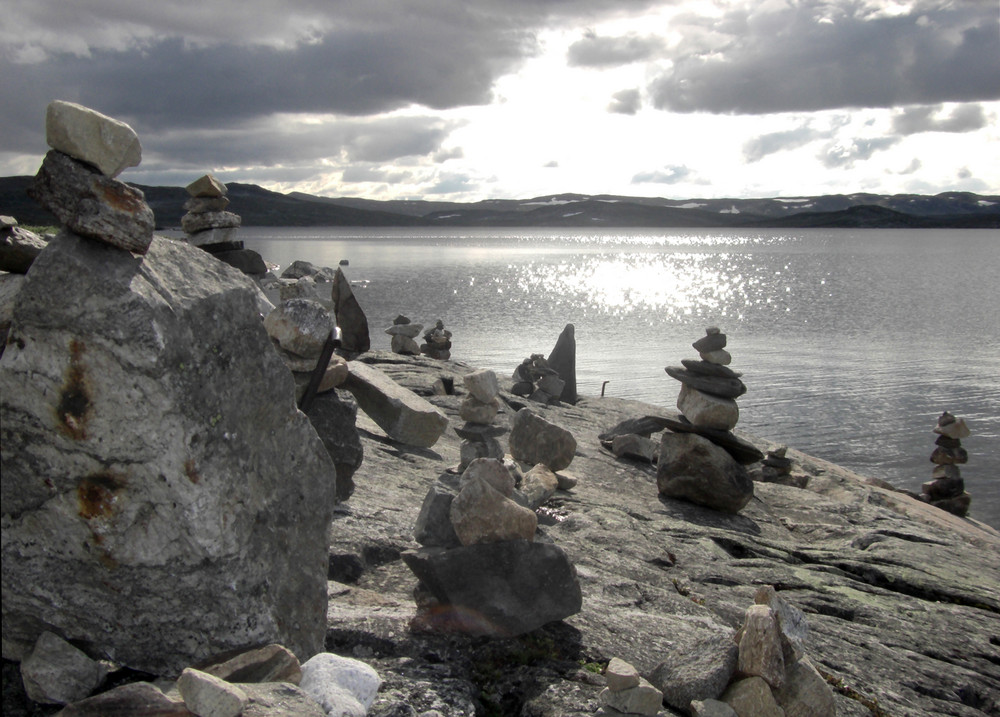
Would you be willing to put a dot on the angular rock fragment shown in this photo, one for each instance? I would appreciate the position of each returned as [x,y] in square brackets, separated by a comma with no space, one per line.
[535,440]
[350,316]
[89,136]
[693,468]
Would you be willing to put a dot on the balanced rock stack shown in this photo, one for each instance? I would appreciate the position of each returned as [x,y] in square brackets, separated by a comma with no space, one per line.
[76,181]
[437,342]
[482,570]
[700,459]
[535,379]
[947,489]
[628,692]
[209,226]
[777,468]
[478,410]
[404,336]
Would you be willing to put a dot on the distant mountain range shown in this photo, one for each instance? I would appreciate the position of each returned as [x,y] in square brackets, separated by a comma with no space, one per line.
[261,207]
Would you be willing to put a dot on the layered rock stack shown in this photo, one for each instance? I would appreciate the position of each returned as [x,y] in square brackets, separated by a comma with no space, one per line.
[437,342]
[481,568]
[209,226]
[701,460]
[404,336]
[537,381]
[777,468]
[478,409]
[947,489]
[628,692]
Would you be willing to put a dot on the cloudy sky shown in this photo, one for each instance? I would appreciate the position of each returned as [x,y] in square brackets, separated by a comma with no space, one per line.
[477,99]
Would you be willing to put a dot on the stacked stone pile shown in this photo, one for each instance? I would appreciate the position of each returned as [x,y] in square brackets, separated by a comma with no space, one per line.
[700,459]
[482,568]
[478,409]
[627,691]
[537,381]
[404,336]
[777,468]
[210,226]
[264,681]
[947,489]
[437,342]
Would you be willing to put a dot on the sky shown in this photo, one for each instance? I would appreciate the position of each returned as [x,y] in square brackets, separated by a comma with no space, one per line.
[465,100]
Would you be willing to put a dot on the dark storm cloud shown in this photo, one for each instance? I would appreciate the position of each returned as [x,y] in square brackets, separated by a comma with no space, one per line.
[668,175]
[964,118]
[595,51]
[816,55]
[759,147]
[625,102]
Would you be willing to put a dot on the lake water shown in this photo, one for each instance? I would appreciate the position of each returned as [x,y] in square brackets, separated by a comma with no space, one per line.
[851,342]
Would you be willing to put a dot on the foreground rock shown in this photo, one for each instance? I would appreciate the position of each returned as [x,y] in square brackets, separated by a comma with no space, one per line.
[163,499]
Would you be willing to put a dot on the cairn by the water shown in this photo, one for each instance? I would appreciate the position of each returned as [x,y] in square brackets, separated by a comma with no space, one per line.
[947,489]
[404,336]
[480,407]
[437,342]
[209,226]
[709,388]
[537,381]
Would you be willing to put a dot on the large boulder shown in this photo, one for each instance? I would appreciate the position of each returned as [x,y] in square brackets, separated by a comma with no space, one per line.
[163,499]
[695,469]
[535,440]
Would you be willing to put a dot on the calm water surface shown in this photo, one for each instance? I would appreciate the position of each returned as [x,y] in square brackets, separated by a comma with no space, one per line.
[851,342]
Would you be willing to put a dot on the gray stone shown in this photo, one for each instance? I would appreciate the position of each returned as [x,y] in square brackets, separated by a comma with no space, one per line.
[551,385]
[84,134]
[193,223]
[271,663]
[335,421]
[279,699]
[246,260]
[643,426]
[350,316]
[411,331]
[741,450]
[955,428]
[620,675]
[563,361]
[200,205]
[535,440]
[760,647]
[941,488]
[482,385]
[538,485]
[402,414]
[711,708]
[693,468]
[493,472]
[720,357]
[643,699]
[805,693]
[55,672]
[433,527]
[482,514]
[705,368]
[18,248]
[212,235]
[300,326]
[208,696]
[792,623]
[706,410]
[136,699]
[715,385]
[473,410]
[699,673]
[92,205]
[500,589]
[949,456]
[631,445]
[152,507]
[485,448]
[402,344]
[957,505]
[206,186]
[752,696]
[327,677]
[709,343]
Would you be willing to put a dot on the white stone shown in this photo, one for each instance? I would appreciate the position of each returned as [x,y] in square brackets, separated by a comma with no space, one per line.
[408,330]
[342,686]
[644,699]
[206,186]
[87,135]
[620,675]
[483,385]
[706,410]
[481,514]
[209,696]
[720,357]
[760,646]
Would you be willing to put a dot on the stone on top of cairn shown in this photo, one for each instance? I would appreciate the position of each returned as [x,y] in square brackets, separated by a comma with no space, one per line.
[404,336]
[89,136]
[947,489]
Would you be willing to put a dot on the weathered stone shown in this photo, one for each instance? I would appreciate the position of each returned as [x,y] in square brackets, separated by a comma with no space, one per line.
[706,410]
[563,361]
[433,527]
[643,699]
[194,223]
[329,678]
[55,672]
[805,693]
[705,368]
[279,699]
[471,450]
[402,414]
[956,428]
[411,331]
[92,205]
[742,451]
[760,647]
[10,286]
[246,260]
[792,624]
[136,699]
[145,463]
[300,326]
[482,514]
[709,343]
[18,248]
[551,385]
[699,673]
[949,456]
[620,675]
[632,446]
[958,505]
[200,205]
[538,485]
[302,288]
[643,426]
[714,385]
[350,316]
[208,696]
[87,135]
[206,186]
[949,471]
[483,385]
[943,488]
[693,468]
[535,440]
[335,420]
[752,696]
[494,472]
[720,357]
[271,663]
[475,411]
[478,432]
[402,344]
[211,236]
[500,589]
[711,708]
[522,388]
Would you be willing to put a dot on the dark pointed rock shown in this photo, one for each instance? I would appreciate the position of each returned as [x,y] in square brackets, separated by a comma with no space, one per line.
[710,342]
[706,368]
[563,361]
[350,316]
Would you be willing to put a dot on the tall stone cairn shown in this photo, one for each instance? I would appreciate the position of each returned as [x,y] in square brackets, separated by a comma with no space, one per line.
[709,388]
[209,226]
[947,489]
[478,409]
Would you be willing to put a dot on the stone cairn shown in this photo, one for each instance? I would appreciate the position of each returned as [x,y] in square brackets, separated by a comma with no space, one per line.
[777,468]
[628,692]
[404,336]
[537,381]
[437,342]
[209,226]
[947,489]
[478,409]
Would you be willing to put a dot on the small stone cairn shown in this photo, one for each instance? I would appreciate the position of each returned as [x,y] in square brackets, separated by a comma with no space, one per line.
[404,336]
[709,388]
[298,329]
[209,226]
[777,468]
[437,342]
[947,489]
[627,691]
[478,409]
[536,380]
